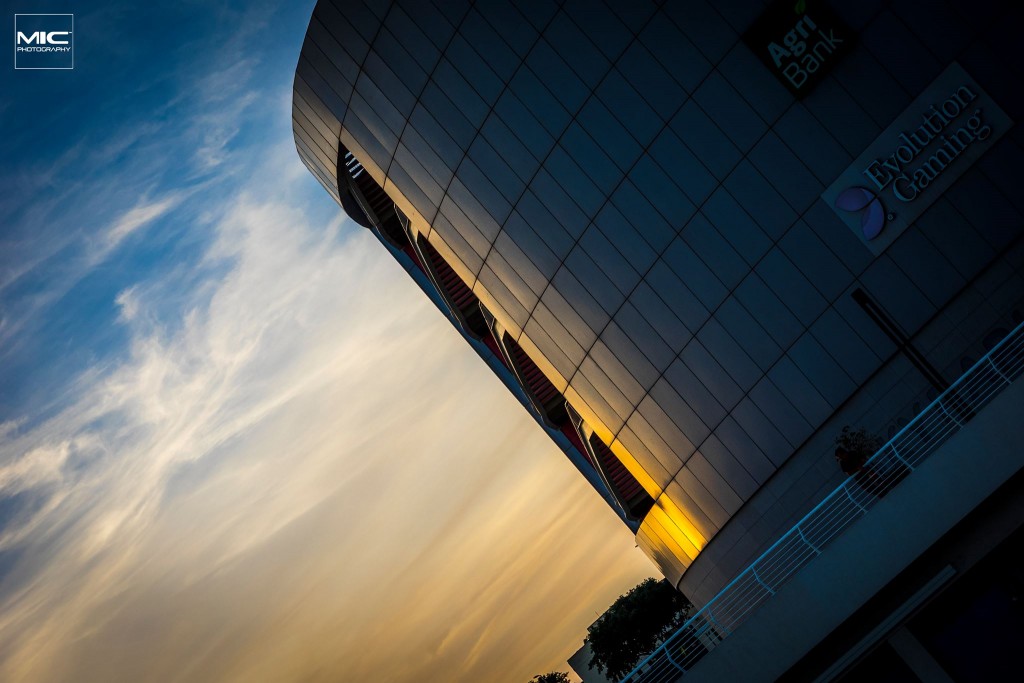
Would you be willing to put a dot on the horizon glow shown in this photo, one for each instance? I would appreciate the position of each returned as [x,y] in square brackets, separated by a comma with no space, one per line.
[236,441]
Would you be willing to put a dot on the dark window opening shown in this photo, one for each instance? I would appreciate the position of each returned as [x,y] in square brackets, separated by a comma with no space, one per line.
[368,204]
[460,298]
[635,500]
[491,344]
[548,400]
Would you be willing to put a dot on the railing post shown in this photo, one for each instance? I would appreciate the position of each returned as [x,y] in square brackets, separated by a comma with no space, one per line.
[853,500]
[804,538]
[998,371]
[721,630]
[899,457]
[757,578]
[949,414]
[679,667]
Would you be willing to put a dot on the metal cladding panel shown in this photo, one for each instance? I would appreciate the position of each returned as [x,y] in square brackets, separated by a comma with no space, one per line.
[636,198]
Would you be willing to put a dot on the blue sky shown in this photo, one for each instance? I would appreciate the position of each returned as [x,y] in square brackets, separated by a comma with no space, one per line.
[236,441]
[160,98]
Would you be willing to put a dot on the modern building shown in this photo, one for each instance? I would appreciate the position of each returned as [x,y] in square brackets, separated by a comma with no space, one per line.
[698,239]
[580,664]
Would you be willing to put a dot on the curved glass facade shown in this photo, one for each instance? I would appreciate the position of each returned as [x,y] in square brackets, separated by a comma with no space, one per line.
[635,200]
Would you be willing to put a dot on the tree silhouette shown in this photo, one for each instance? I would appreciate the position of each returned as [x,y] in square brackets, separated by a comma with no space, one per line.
[635,625]
[553,677]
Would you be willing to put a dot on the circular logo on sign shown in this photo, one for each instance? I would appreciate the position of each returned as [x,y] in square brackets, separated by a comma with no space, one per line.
[865,202]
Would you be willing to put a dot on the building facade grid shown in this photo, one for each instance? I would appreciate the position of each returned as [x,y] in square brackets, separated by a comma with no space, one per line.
[636,198]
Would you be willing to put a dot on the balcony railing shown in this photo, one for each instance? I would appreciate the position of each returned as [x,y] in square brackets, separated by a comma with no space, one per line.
[898,458]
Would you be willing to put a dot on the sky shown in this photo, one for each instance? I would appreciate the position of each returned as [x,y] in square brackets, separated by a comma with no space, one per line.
[236,441]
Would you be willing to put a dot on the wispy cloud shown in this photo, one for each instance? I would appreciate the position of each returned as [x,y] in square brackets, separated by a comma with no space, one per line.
[137,217]
[63,217]
[225,91]
[248,456]
[294,469]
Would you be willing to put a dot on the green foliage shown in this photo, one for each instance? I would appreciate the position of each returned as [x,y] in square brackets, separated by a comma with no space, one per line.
[859,441]
[635,625]
[553,677]
[854,447]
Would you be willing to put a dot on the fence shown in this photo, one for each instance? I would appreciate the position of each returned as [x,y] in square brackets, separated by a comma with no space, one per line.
[898,458]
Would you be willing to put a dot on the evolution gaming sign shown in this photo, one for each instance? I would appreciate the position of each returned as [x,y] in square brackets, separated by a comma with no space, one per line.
[945,130]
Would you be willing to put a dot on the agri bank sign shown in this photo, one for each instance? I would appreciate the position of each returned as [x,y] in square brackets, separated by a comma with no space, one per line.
[945,130]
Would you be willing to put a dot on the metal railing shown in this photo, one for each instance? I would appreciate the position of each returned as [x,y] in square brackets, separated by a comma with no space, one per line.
[905,451]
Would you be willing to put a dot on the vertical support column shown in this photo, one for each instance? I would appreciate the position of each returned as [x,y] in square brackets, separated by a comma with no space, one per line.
[917,657]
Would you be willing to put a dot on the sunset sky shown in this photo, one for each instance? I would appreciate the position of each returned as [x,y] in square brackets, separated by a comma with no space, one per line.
[236,441]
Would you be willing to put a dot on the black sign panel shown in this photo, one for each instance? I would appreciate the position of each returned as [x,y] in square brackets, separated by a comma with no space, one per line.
[799,41]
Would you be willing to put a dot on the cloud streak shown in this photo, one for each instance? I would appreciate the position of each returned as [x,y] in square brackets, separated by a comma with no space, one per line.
[292,467]
[246,468]
[141,215]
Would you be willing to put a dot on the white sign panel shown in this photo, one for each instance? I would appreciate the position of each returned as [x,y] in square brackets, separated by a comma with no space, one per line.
[945,130]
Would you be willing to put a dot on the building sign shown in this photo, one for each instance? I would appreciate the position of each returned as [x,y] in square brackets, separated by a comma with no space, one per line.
[945,130]
[799,41]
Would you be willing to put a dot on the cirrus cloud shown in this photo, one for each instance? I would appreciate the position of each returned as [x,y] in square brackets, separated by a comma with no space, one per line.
[288,465]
